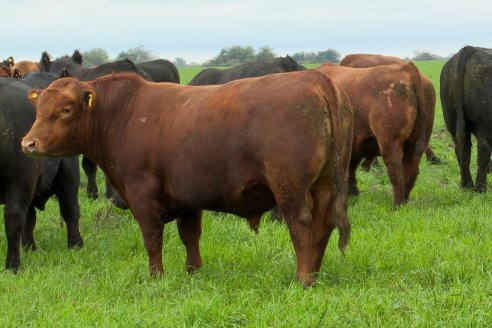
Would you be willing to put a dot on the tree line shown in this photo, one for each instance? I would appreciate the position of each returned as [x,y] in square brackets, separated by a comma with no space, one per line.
[231,56]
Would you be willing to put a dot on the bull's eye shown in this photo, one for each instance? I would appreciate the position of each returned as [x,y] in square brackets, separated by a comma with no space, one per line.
[66,110]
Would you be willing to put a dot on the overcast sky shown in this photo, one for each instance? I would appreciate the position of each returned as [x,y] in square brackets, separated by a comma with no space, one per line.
[197,30]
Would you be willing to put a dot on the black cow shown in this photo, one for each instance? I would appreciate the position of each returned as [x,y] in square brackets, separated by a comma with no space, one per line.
[466,98]
[260,68]
[160,70]
[27,183]
[73,65]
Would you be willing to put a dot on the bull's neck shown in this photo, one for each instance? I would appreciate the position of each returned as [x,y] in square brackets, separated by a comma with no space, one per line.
[106,122]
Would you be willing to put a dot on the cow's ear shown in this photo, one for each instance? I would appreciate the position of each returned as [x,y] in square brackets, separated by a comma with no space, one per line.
[88,98]
[10,61]
[64,73]
[16,74]
[33,95]
[77,57]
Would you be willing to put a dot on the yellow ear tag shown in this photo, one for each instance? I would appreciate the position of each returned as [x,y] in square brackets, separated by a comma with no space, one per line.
[89,102]
[34,96]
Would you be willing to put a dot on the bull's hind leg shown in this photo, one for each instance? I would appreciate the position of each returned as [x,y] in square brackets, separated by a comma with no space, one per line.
[352,180]
[190,230]
[90,169]
[299,220]
[410,162]
[463,153]
[392,157]
[483,158]
[66,189]
[323,225]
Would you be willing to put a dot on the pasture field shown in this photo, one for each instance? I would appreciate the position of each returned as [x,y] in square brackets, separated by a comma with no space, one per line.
[427,264]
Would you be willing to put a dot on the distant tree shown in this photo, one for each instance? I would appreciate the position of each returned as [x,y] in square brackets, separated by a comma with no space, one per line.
[299,57]
[425,55]
[179,62]
[265,53]
[232,56]
[94,57]
[329,55]
[136,55]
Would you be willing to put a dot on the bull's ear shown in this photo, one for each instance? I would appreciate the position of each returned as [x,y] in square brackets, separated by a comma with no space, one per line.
[88,98]
[10,61]
[33,95]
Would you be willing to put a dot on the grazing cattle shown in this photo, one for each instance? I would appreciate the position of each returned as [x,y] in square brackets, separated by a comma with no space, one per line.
[160,70]
[393,117]
[27,183]
[283,139]
[368,60]
[25,67]
[466,84]
[72,66]
[260,68]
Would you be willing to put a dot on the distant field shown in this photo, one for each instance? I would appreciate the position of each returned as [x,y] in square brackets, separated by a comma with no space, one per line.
[427,264]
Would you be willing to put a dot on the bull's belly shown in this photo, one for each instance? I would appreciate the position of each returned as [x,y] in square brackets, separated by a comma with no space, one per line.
[253,200]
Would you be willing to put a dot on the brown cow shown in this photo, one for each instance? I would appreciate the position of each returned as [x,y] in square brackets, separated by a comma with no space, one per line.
[393,117]
[4,71]
[242,147]
[369,60]
[22,68]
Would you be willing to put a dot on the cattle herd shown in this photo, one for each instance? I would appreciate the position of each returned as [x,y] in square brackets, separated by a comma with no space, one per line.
[242,140]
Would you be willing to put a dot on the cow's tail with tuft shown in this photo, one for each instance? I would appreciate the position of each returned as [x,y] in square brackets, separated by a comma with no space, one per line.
[463,56]
[340,118]
[425,116]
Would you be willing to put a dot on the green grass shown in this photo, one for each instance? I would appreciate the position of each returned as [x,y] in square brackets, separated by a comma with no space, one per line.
[426,264]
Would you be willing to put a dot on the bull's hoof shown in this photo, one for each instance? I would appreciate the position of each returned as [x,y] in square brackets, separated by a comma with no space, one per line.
[307,280]
[193,265]
[353,191]
[480,188]
[468,185]
[434,160]
[75,243]
[275,215]
[29,246]
[191,269]
[13,264]
[93,195]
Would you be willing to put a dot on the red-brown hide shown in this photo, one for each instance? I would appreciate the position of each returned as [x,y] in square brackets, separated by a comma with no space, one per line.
[369,60]
[242,147]
[393,117]
[4,71]
[24,67]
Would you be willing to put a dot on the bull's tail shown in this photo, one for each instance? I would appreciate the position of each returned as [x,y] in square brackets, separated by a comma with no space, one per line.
[425,115]
[340,120]
[463,56]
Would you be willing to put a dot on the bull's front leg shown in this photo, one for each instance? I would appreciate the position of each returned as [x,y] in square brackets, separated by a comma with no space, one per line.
[143,196]
[190,230]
